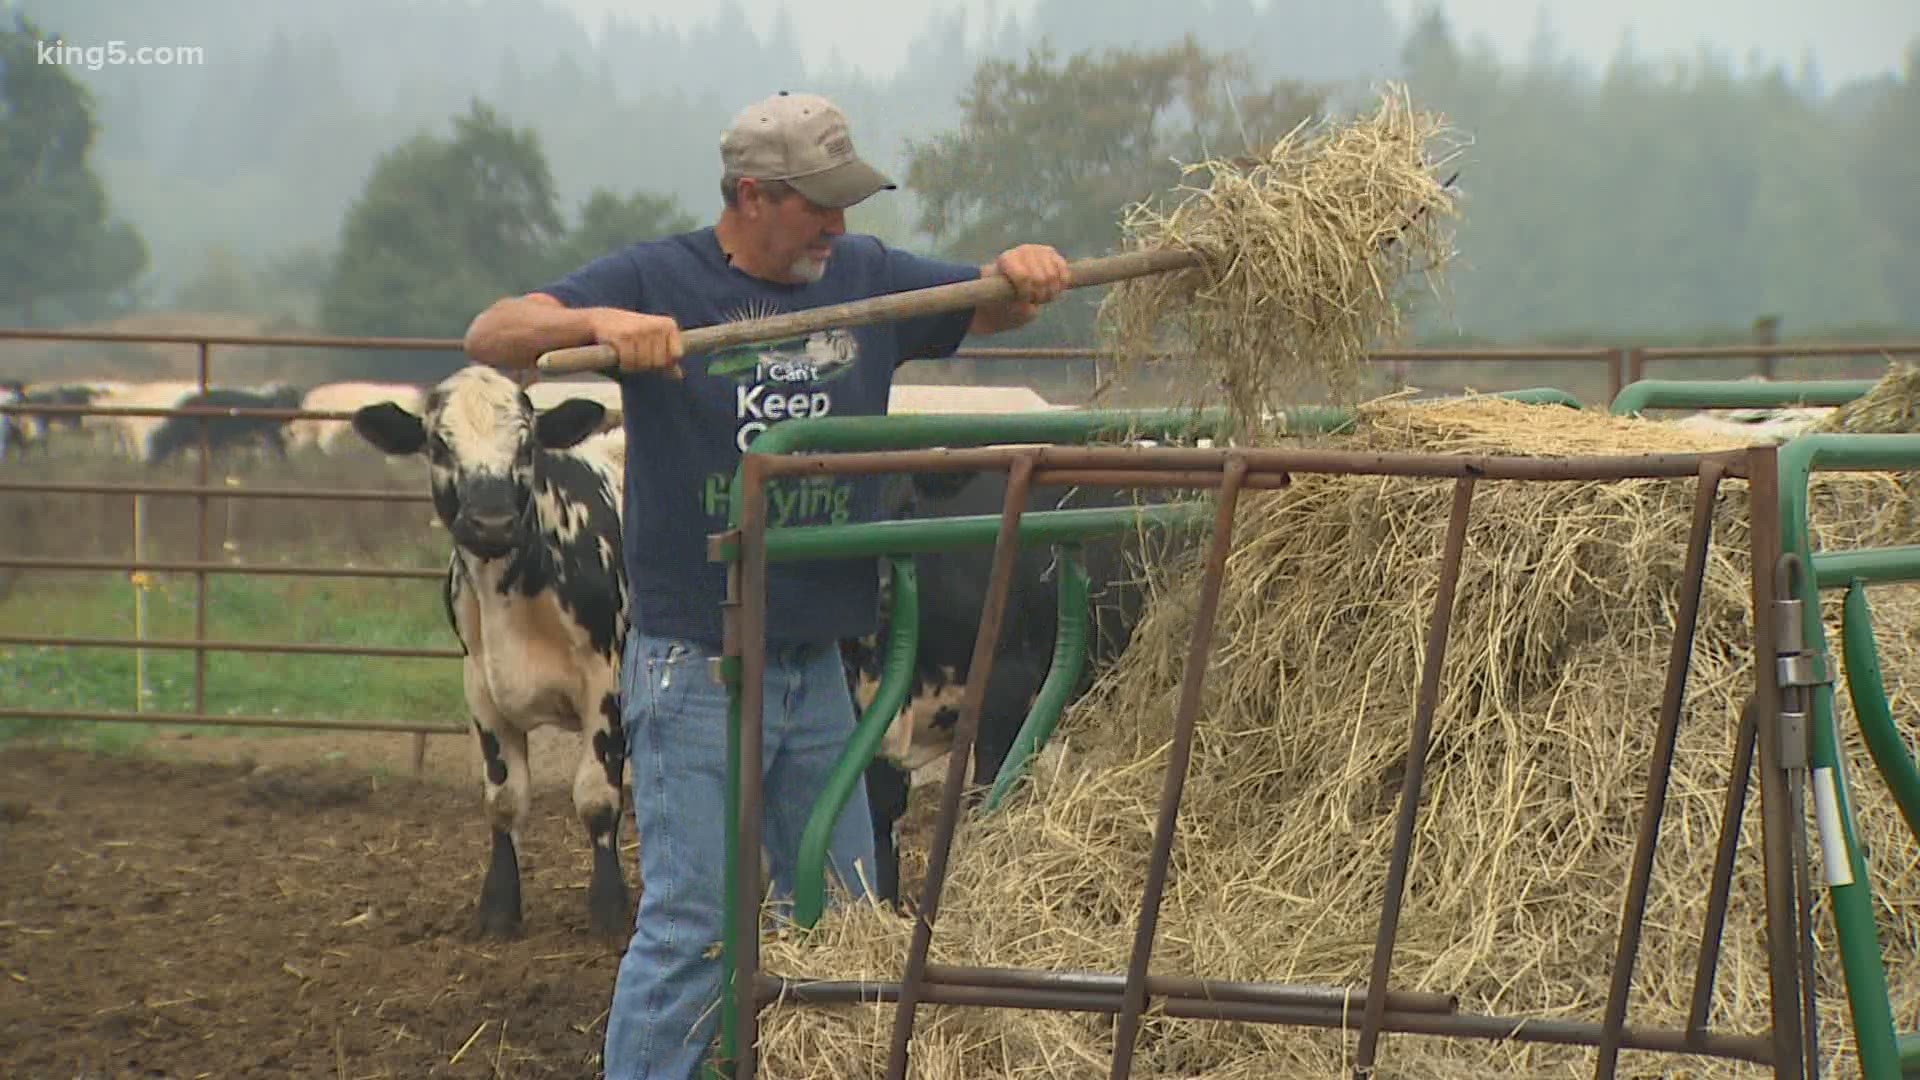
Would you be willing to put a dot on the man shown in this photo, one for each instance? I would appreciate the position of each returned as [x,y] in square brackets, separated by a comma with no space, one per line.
[789,173]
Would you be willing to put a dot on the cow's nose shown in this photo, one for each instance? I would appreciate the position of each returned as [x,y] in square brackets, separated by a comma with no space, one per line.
[491,522]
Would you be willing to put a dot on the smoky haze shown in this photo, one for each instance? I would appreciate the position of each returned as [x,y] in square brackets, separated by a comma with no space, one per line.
[1641,167]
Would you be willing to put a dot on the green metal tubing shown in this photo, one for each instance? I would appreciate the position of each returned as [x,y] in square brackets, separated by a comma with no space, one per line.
[802,542]
[1831,452]
[1847,884]
[1072,426]
[1910,1055]
[918,432]
[903,642]
[1837,569]
[1069,661]
[1733,394]
[1870,708]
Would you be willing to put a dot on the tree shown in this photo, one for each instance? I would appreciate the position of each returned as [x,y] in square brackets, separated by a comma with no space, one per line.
[63,256]
[1887,165]
[608,221]
[443,227]
[285,289]
[1056,153]
[446,226]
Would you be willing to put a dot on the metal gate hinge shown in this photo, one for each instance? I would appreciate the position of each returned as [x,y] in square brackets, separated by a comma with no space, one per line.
[1804,669]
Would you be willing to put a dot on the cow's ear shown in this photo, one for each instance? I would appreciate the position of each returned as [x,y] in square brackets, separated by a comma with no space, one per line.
[567,423]
[390,428]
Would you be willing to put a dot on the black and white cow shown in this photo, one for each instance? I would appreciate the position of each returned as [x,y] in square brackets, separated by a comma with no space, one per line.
[177,435]
[952,590]
[39,427]
[536,591]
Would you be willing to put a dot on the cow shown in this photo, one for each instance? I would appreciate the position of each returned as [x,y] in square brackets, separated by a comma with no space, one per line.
[326,436]
[176,435]
[39,427]
[536,593]
[13,426]
[132,435]
[951,592]
[1771,426]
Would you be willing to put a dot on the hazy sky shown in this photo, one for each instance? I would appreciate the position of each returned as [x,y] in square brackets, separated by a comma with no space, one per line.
[1849,38]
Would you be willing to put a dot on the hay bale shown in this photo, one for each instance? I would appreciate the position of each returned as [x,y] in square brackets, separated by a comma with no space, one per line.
[1892,407]
[1541,744]
[1302,253]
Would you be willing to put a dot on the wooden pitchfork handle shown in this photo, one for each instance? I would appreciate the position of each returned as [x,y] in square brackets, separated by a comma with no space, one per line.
[938,299]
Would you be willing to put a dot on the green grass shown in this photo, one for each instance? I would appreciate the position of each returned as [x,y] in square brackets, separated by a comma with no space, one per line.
[405,614]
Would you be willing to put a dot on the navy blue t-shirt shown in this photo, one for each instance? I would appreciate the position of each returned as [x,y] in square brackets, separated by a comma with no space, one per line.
[685,438]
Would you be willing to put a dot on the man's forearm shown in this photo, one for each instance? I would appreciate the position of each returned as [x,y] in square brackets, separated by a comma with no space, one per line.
[513,332]
[1002,315]
[997,316]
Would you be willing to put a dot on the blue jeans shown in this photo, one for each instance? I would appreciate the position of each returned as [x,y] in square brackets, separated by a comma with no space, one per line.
[666,997]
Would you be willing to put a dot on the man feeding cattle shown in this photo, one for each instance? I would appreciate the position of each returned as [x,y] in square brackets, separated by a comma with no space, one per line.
[780,244]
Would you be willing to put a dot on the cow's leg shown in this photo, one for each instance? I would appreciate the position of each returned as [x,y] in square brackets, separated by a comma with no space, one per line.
[1009,697]
[503,753]
[887,788]
[596,798]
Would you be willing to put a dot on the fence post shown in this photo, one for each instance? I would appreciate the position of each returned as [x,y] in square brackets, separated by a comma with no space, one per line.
[1766,332]
[139,581]
[205,505]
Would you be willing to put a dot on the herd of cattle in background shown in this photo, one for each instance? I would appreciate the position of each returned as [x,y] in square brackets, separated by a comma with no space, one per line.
[157,440]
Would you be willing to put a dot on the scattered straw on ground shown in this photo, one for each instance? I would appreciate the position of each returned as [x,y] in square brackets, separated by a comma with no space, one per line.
[1303,252]
[1542,739]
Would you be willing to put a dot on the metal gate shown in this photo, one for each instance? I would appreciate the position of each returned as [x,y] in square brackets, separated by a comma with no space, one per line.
[1787,1046]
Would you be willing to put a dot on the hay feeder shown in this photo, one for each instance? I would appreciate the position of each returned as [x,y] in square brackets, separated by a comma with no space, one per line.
[1171,1024]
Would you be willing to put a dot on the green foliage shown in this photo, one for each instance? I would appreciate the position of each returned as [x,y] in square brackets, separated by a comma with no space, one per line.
[286,289]
[608,221]
[1644,199]
[446,226]
[1887,148]
[1654,200]
[63,257]
[443,228]
[1054,153]
[365,613]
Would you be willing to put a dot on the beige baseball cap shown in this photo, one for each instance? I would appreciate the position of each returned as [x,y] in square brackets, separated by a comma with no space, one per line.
[805,140]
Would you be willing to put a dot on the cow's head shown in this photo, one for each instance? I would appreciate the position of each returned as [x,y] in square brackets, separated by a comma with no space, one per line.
[482,437]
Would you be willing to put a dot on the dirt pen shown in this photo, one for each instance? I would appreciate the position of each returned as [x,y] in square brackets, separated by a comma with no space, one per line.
[226,904]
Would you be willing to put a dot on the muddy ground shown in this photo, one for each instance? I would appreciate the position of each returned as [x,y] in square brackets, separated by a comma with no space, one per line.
[287,907]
